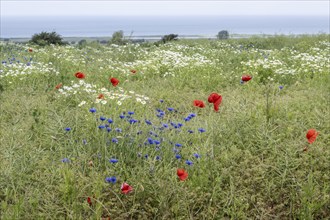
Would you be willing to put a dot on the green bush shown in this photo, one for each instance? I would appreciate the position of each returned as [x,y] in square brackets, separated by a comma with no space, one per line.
[222,35]
[45,38]
[118,38]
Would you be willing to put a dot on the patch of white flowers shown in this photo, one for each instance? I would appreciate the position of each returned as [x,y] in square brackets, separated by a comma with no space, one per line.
[314,60]
[100,95]
[23,69]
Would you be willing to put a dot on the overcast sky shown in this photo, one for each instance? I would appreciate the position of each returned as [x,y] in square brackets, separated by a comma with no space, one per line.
[161,8]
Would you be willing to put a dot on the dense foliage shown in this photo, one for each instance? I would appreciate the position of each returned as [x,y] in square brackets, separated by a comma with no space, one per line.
[46,38]
[190,129]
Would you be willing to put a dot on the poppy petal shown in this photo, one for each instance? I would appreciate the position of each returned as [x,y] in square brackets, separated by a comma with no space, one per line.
[311,135]
[199,103]
[114,81]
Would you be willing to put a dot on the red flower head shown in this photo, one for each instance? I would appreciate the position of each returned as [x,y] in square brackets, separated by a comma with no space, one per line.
[125,188]
[199,103]
[246,78]
[114,81]
[80,75]
[311,135]
[30,50]
[89,201]
[58,86]
[133,71]
[101,96]
[182,174]
[216,100]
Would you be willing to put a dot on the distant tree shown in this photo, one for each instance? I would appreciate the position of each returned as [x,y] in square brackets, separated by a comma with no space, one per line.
[103,41]
[118,38]
[82,42]
[170,37]
[222,35]
[45,38]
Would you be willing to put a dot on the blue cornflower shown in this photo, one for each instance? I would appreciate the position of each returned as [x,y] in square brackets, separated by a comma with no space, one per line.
[92,110]
[150,140]
[192,115]
[148,122]
[196,155]
[113,160]
[157,142]
[187,119]
[84,142]
[280,87]
[165,125]
[112,179]
[115,140]
[146,156]
[201,130]
[110,120]
[121,116]
[133,121]
[118,130]
[130,113]
[102,118]
[101,126]
[108,129]
[68,129]
[189,162]
[28,64]
[178,156]
[190,131]
[65,160]
[178,145]
[180,125]
[158,157]
[161,101]
[170,109]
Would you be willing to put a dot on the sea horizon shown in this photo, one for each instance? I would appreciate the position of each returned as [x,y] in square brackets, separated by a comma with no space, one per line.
[135,26]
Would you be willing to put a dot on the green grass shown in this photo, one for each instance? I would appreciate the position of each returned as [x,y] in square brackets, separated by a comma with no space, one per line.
[252,163]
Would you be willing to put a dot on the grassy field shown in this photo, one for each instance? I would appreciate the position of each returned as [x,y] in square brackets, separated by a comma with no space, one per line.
[68,144]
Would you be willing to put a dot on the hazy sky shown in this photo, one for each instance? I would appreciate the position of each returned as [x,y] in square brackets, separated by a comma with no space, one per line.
[162,7]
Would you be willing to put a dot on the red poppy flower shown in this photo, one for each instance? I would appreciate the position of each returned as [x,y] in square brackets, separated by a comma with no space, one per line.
[101,96]
[89,201]
[30,50]
[246,78]
[182,174]
[114,81]
[199,103]
[216,99]
[58,86]
[80,75]
[311,135]
[133,71]
[125,188]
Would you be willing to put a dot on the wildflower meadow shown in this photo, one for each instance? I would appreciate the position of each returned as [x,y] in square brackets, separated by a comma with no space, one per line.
[190,129]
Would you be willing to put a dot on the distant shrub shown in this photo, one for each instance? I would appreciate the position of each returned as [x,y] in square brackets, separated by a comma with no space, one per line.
[169,37]
[222,35]
[45,38]
[118,38]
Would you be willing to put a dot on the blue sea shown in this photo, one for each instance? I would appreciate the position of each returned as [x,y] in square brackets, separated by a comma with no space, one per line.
[208,26]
